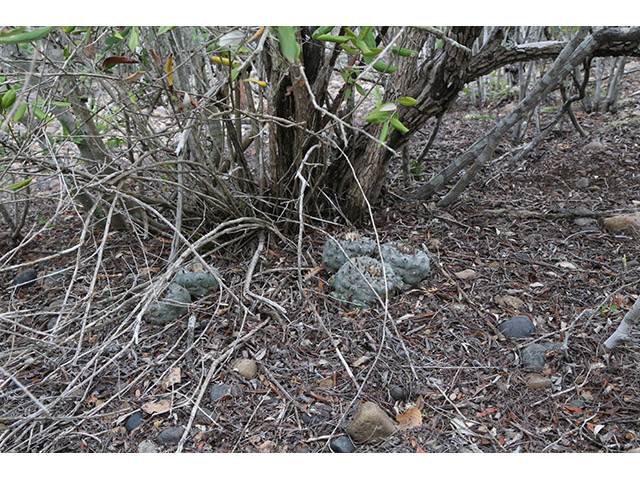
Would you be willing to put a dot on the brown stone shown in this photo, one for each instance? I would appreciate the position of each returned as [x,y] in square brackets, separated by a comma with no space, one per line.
[628,222]
[370,423]
[246,368]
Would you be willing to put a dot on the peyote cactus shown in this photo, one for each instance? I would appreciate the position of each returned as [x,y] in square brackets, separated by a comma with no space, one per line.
[174,305]
[200,283]
[353,244]
[350,282]
[409,263]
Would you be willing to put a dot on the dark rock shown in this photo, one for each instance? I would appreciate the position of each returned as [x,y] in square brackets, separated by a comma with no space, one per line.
[26,279]
[582,182]
[314,416]
[398,393]
[534,356]
[170,436]
[342,444]
[134,421]
[54,279]
[220,390]
[518,326]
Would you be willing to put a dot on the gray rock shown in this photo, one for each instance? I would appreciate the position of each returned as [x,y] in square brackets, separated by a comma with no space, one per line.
[582,182]
[534,356]
[174,305]
[54,279]
[370,423]
[398,393]
[584,221]
[518,326]
[220,390]
[170,436]
[26,279]
[134,421]
[594,147]
[199,284]
[147,446]
[342,444]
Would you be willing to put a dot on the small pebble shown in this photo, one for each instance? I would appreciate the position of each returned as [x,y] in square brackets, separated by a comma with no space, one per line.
[134,421]
[518,326]
[170,436]
[398,393]
[246,368]
[534,356]
[26,279]
[147,446]
[370,423]
[342,444]
[218,391]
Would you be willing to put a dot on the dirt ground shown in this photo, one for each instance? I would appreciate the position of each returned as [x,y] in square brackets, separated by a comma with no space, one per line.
[515,227]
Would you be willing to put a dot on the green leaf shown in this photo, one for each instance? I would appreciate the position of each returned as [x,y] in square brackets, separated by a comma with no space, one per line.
[361,90]
[384,133]
[163,30]
[332,38]
[320,31]
[407,101]
[384,68]
[404,52]
[19,185]
[20,112]
[19,36]
[388,107]
[349,49]
[347,93]
[288,43]
[397,125]
[134,39]
[377,117]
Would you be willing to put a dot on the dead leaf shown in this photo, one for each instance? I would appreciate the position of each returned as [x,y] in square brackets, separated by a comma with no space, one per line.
[410,419]
[175,376]
[111,61]
[312,272]
[467,274]
[156,407]
[566,265]
[134,77]
[486,412]
[325,382]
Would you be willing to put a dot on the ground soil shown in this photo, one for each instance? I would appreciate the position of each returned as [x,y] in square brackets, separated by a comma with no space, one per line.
[317,362]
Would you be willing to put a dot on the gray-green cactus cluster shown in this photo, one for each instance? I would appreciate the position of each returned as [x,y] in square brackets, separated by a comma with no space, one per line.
[352,244]
[411,264]
[186,285]
[359,283]
[404,265]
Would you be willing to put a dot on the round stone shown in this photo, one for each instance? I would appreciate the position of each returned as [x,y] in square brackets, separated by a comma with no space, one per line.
[398,393]
[147,446]
[246,368]
[170,436]
[342,444]
[26,278]
[518,326]
[134,421]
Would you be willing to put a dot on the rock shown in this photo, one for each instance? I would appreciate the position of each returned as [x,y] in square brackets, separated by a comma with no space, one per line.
[199,284]
[584,221]
[147,446]
[518,326]
[628,222]
[170,436]
[467,274]
[174,305]
[268,446]
[594,147]
[534,356]
[26,279]
[342,444]
[246,368]
[220,390]
[134,421]
[370,423]
[535,381]
[582,182]
[509,301]
[398,393]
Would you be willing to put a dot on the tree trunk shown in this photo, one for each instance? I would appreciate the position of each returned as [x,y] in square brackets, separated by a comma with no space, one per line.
[435,86]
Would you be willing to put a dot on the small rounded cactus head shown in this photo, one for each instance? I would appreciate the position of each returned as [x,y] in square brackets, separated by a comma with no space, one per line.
[409,263]
[358,283]
[351,243]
